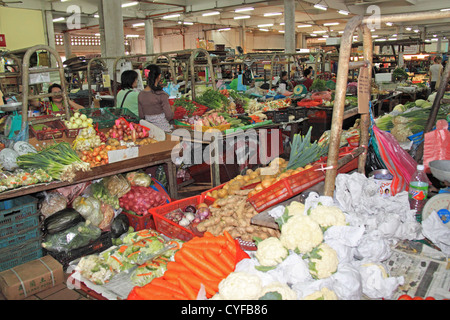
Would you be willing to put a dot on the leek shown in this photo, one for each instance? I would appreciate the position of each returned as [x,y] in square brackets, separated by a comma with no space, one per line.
[59,160]
[304,152]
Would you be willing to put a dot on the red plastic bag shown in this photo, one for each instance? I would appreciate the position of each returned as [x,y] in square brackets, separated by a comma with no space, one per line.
[437,144]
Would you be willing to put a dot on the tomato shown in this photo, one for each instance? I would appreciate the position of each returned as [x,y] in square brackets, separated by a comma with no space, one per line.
[417,298]
[405,297]
[430,298]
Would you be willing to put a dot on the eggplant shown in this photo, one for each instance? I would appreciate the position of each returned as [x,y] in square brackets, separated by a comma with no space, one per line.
[61,220]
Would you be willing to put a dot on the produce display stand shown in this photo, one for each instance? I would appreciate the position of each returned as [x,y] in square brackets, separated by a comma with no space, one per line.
[355,23]
[149,155]
[95,69]
[10,81]
[209,76]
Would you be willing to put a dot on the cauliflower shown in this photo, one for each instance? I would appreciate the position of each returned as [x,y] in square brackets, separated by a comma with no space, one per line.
[240,286]
[271,252]
[295,208]
[323,261]
[327,216]
[323,294]
[301,233]
[281,288]
[94,269]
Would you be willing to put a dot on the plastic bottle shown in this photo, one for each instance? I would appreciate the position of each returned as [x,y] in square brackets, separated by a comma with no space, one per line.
[418,191]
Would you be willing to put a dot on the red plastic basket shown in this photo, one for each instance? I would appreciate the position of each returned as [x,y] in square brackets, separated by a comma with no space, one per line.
[172,229]
[276,193]
[139,222]
[305,179]
[56,131]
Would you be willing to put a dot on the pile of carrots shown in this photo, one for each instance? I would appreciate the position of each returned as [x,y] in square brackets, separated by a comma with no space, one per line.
[200,261]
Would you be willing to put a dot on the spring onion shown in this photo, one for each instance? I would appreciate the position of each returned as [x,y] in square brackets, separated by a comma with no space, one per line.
[59,160]
[304,152]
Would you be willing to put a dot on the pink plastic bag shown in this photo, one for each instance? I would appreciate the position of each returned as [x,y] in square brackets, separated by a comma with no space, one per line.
[437,144]
[399,162]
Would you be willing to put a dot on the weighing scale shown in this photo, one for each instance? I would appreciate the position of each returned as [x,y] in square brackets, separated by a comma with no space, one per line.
[440,203]
[14,121]
[299,90]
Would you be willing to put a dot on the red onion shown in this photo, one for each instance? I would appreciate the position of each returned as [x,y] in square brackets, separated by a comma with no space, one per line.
[203,213]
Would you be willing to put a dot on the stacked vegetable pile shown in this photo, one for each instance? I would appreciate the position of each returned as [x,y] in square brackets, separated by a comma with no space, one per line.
[187,108]
[141,199]
[135,248]
[200,263]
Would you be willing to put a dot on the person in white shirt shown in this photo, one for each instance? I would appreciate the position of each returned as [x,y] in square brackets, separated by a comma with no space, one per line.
[435,73]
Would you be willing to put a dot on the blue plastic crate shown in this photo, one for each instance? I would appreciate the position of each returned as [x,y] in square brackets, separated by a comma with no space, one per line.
[22,216]
[21,237]
[19,254]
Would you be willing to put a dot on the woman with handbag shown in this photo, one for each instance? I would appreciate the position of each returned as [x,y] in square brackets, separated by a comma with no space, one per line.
[128,96]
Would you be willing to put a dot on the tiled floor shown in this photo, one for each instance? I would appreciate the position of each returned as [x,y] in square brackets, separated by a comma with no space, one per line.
[60,292]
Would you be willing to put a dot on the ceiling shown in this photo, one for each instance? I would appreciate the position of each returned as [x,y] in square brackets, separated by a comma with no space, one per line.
[191,11]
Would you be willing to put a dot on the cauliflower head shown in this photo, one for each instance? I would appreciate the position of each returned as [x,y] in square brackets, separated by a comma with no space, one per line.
[327,216]
[322,294]
[323,261]
[271,252]
[240,286]
[295,208]
[281,288]
[301,232]
[93,268]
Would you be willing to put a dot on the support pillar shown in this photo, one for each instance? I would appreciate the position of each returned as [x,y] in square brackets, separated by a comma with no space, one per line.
[289,26]
[149,37]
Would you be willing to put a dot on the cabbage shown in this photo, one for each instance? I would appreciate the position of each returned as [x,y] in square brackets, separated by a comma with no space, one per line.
[419,102]
[8,159]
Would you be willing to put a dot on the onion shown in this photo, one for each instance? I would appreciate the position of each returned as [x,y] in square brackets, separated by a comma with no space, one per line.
[190,216]
[190,209]
[203,213]
[184,222]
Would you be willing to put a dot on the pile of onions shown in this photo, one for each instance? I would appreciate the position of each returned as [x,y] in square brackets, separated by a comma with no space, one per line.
[140,199]
[190,214]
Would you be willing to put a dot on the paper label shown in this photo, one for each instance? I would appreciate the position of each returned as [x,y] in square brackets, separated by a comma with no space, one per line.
[364,89]
[122,154]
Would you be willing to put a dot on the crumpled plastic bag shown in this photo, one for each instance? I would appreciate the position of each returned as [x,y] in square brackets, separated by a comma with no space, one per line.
[436,231]
[89,208]
[344,240]
[347,282]
[373,247]
[436,144]
[376,283]
[52,203]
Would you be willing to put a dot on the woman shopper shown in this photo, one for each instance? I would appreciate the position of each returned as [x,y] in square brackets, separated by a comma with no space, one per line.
[153,102]
[127,97]
[435,73]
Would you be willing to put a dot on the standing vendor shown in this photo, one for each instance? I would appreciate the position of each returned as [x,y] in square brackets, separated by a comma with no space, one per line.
[55,104]
[308,81]
[435,73]
[153,102]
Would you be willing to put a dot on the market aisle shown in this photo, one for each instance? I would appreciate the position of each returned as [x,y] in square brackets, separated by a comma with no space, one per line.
[60,292]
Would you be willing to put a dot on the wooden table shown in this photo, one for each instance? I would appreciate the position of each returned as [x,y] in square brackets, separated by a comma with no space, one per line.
[149,155]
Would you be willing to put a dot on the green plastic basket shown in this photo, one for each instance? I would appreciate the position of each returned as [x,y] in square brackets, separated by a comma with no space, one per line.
[101,116]
[124,113]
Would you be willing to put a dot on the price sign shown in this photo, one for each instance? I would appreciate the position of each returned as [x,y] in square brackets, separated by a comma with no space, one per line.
[364,89]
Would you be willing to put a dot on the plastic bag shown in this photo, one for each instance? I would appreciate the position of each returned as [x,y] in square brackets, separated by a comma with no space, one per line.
[161,176]
[117,185]
[372,161]
[72,238]
[437,144]
[52,203]
[108,216]
[139,178]
[89,208]
[119,226]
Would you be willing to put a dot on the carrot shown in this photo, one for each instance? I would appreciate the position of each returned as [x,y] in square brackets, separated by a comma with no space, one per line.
[214,259]
[148,294]
[122,248]
[187,289]
[198,266]
[205,241]
[117,260]
[133,253]
[207,234]
[228,259]
[176,266]
[193,280]
[162,282]
[231,243]
[213,247]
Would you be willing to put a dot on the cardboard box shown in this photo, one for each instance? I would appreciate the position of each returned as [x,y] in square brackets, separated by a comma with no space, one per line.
[30,278]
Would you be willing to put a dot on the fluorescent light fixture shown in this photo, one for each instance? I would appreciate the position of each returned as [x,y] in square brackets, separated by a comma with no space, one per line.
[344,12]
[320,31]
[435,35]
[171,16]
[435,39]
[381,39]
[97,34]
[392,39]
[140,24]
[244,9]
[262,29]
[416,30]
[129,4]
[408,28]
[326,36]
[270,14]
[320,6]
[372,30]
[132,36]
[331,24]
[241,17]
[375,36]
[322,39]
[281,23]
[64,0]
[224,29]
[447,9]
[390,24]
[313,35]
[341,32]
[186,23]
[304,25]
[265,25]
[394,36]
[59,19]
[281,31]
[96,15]
[212,13]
